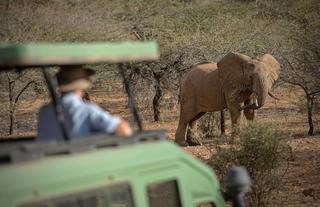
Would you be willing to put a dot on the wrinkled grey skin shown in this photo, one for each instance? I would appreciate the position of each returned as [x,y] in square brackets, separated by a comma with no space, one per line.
[236,82]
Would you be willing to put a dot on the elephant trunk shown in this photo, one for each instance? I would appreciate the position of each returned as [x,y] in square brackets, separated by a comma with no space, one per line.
[260,89]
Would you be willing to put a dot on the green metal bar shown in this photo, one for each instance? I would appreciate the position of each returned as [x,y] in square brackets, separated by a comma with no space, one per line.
[132,103]
[51,54]
[56,102]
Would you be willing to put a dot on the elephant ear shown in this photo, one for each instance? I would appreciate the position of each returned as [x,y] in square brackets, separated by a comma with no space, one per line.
[232,68]
[272,66]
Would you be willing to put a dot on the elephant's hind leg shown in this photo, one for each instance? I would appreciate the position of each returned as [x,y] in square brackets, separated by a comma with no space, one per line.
[190,140]
[180,136]
[181,133]
[198,116]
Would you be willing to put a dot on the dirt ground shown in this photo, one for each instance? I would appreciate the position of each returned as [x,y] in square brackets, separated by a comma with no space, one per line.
[300,173]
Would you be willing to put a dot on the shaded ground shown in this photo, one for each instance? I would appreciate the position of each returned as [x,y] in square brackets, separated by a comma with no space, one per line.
[300,173]
[301,177]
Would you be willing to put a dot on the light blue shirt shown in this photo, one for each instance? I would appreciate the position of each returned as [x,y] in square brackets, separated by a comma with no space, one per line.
[82,119]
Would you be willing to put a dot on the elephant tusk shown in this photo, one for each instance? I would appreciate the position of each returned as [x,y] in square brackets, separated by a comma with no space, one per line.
[250,106]
[273,96]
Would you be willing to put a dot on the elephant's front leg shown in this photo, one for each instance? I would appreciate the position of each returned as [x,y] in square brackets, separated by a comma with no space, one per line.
[235,114]
[234,99]
[249,113]
[234,104]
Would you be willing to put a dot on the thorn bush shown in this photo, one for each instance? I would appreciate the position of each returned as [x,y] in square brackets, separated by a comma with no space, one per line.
[259,149]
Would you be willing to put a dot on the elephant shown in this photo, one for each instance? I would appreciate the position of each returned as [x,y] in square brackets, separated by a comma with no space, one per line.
[237,82]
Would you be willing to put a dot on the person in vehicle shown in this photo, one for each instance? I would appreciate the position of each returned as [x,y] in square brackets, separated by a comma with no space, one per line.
[82,118]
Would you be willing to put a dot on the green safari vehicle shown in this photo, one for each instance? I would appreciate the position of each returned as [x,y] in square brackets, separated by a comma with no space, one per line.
[144,170]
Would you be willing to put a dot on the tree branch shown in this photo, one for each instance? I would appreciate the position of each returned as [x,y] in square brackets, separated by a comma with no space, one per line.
[295,83]
[22,90]
[314,93]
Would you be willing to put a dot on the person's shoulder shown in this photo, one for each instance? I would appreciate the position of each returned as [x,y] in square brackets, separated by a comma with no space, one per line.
[91,106]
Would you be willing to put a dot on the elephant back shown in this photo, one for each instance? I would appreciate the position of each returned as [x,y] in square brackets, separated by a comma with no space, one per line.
[205,66]
[203,62]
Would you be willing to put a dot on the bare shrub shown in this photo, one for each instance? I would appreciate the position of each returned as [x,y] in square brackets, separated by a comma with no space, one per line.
[14,86]
[260,150]
[272,8]
[302,61]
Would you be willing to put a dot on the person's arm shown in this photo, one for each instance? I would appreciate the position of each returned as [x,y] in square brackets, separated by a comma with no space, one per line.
[123,129]
[102,121]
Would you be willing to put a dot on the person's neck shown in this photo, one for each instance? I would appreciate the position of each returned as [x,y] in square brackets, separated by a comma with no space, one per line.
[78,93]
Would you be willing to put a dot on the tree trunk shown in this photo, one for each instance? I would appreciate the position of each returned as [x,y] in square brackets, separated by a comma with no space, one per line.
[310,102]
[11,121]
[156,99]
[156,103]
[11,104]
[222,123]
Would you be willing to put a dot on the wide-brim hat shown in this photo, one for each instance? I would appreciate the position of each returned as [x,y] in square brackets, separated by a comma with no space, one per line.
[74,77]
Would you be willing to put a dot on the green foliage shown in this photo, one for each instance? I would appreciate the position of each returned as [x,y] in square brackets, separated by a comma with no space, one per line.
[259,149]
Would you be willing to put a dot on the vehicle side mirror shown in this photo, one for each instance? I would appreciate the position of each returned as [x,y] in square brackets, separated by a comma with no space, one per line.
[237,183]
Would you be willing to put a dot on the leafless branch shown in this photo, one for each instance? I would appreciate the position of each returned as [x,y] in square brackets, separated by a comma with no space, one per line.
[314,92]
[293,83]
[22,90]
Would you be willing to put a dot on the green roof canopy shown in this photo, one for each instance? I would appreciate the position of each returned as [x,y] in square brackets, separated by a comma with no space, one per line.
[52,54]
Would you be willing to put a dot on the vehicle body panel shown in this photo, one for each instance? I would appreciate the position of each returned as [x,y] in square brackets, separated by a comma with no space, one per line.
[139,164]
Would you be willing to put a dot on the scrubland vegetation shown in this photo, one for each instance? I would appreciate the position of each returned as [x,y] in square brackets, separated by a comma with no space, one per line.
[188,32]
